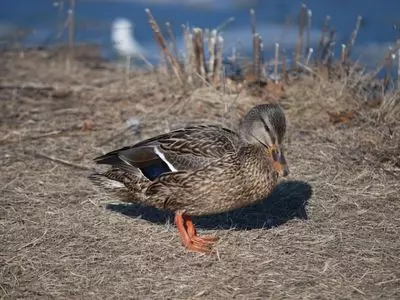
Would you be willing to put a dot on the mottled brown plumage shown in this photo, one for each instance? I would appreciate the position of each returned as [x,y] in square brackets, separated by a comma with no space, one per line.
[201,169]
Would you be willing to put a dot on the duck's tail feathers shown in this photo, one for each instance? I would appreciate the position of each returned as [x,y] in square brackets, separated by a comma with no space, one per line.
[108,184]
[123,185]
[118,180]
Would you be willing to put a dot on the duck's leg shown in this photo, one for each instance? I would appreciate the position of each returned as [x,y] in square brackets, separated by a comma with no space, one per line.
[188,234]
[191,230]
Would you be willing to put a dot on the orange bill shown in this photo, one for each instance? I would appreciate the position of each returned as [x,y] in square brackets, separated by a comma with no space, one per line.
[279,161]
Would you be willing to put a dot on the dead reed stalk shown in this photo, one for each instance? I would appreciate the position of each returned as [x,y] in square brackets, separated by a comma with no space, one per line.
[218,68]
[163,46]
[276,62]
[198,49]
[189,55]
[284,68]
[173,39]
[353,37]
[392,50]
[212,43]
[309,23]
[390,57]
[327,52]
[256,45]
[325,28]
[309,54]
[163,63]
[343,54]
[224,24]
[258,56]
[302,25]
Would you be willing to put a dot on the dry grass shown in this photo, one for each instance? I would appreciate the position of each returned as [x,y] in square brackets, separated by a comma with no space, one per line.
[330,231]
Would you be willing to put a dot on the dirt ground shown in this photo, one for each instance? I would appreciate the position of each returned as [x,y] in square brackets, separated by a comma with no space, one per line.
[330,230]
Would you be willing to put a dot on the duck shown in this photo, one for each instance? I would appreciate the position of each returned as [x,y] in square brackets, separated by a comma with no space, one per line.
[201,169]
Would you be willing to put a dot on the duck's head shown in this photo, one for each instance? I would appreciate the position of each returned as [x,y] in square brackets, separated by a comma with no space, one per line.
[265,126]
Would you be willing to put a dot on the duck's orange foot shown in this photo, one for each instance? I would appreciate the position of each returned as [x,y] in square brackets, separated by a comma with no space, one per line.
[188,235]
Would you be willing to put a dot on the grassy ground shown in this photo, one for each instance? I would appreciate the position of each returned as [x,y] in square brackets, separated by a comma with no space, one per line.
[329,231]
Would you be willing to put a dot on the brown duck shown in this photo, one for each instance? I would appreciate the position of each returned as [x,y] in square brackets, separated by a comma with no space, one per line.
[201,170]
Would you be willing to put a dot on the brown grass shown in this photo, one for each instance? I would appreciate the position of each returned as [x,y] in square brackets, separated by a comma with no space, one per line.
[330,231]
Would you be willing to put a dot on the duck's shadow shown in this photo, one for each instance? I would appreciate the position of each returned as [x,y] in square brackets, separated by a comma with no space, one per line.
[287,201]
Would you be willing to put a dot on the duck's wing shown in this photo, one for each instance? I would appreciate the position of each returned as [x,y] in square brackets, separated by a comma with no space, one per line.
[180,150]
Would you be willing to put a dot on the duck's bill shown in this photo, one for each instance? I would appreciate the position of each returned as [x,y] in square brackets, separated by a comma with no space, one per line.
[280,163]
[282,169]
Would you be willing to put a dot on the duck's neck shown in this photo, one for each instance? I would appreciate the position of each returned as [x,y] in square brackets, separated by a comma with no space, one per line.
[257,165]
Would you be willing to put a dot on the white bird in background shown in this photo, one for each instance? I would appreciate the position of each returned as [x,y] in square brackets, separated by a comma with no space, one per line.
[125,43]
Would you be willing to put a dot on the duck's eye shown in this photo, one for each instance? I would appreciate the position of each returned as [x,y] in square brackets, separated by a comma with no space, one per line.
[270,133]
[266,127]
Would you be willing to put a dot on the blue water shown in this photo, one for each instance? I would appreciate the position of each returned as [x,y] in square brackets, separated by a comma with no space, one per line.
[274,17]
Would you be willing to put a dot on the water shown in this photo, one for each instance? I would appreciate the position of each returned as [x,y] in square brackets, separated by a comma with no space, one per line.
[276,20]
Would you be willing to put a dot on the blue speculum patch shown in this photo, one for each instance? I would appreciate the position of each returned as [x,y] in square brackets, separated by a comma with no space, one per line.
[155,170]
